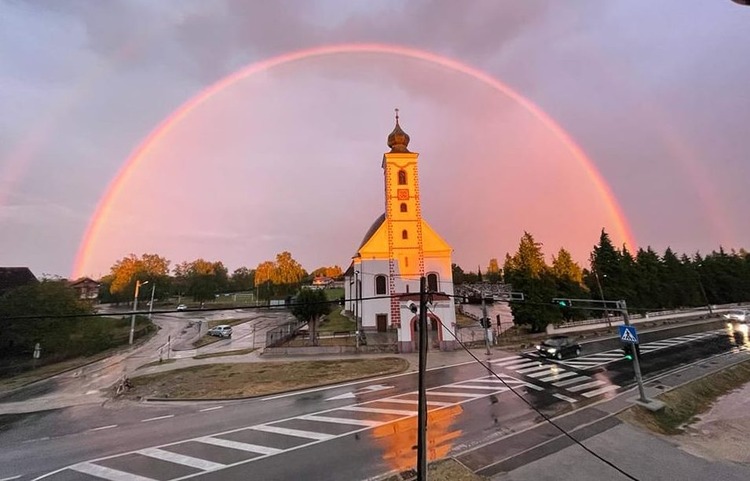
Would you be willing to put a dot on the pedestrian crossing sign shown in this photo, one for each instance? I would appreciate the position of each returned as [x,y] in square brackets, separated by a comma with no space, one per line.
[628,334]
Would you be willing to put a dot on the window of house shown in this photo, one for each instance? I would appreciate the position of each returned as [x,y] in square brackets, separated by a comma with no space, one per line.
[380,288]
[401,177]
[404,234]
[403,207]
[432,282]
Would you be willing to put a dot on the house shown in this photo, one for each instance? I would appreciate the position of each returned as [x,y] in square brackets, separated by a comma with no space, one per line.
[12,277]
[86,288]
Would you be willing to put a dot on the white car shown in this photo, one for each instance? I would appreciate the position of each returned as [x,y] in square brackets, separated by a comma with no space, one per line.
[182,307]
[739,315]
[224,330]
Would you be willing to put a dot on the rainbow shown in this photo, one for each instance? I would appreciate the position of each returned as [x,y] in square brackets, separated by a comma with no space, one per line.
[136,157]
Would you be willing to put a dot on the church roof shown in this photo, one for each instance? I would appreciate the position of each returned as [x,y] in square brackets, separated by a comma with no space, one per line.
[398,140]
[372,230]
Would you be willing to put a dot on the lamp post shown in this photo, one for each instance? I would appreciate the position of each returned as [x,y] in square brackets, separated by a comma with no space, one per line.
[151,305]
[703,290]
[138,285]
[356,306]
[601,294]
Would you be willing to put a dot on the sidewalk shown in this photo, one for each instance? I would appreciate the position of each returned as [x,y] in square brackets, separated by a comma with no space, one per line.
[543,453]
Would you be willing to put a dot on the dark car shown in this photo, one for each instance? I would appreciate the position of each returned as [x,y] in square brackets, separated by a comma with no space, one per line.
[559,347]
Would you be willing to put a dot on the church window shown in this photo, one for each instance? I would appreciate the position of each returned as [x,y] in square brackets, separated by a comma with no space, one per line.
[404,234]
[406,262]
[432,282]
[403,207]
[380,288]
[401,177]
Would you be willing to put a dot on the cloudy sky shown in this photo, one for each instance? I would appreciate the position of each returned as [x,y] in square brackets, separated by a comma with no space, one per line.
[289,157]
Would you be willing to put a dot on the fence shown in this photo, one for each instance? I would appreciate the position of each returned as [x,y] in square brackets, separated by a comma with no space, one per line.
[279,335]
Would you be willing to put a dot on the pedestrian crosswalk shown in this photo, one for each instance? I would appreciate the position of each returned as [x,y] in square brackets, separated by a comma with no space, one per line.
[601,358]
[192,457]
[544,371]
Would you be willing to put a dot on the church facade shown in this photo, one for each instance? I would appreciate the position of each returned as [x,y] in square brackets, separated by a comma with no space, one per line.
[382,282]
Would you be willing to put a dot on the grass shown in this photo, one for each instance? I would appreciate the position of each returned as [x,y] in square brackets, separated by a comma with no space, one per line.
[336,322]
[685,403]
[235,352]
[236,380]
[462,320]
[442,470]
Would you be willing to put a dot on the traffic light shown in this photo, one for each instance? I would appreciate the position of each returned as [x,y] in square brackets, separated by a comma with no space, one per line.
[485,322]
[562,302]
[627,350]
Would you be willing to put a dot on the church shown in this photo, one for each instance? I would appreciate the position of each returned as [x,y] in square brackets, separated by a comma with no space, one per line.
[382,282]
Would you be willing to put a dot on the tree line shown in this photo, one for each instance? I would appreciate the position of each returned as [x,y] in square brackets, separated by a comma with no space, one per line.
[646,279]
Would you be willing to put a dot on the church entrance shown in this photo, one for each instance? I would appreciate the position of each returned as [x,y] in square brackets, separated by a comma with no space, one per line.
[434,335]
[381,321]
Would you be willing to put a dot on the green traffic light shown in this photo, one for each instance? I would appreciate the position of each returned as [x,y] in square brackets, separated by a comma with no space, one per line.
[628,357]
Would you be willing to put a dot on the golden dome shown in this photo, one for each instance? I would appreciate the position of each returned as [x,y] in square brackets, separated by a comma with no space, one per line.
[398,140]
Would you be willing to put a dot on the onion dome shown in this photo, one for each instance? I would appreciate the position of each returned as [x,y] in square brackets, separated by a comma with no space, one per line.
[398,140]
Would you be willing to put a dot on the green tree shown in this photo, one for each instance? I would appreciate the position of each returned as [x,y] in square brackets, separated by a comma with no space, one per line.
[128,270]
[310,306]
[458,274]
[205,279]
[243,279]
[528,272]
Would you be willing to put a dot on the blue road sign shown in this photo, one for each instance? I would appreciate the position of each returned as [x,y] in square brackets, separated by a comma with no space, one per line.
[628,334]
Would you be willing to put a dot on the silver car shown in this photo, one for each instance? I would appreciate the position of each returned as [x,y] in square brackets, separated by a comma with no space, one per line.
[224,330]
[739,315]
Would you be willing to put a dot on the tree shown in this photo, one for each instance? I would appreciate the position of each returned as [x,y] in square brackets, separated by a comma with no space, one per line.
[568,277]
[458,274]
[128,270]
[280,277]
[310,306]
[564,268]
[528,272]
[205,279]
[493,271]
[243,279]
[334,272]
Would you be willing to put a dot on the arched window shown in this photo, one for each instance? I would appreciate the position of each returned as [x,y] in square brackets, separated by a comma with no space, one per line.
[404,234]
[401,177]
[432,282]
[380,288]
[403,207]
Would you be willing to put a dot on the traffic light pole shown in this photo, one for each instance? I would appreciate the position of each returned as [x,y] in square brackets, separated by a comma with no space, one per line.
[486,325]
[636,361]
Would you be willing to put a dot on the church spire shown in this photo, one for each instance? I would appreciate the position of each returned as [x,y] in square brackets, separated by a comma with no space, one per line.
[398,140]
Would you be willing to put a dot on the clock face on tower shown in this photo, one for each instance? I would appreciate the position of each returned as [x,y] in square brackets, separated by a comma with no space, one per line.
[403,194]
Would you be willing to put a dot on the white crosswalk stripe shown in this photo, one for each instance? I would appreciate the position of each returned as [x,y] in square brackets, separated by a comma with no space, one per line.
[180,459]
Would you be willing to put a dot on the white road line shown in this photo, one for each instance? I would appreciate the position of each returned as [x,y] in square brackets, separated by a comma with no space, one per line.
[568,382]
[407,401]
[533,386]
[508,360]
[611,387]
[181,459]
[360,409]
[211,409]
[11,478]
[520,365]
[157,418]
[292,432]
[544,373]
[107,473]
[545,367]
[468,386]
[456,394]
[582,387]
[565,398]
[100,428]
[251,448]
[502,380]
[557,377]
[354,422]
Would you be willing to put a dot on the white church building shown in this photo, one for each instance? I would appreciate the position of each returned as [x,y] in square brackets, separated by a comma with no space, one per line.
[383,279]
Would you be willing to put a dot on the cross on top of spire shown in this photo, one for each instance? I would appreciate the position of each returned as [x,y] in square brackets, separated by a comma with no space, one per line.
[398,140]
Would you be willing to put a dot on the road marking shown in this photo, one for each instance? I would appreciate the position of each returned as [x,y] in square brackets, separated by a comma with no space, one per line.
[557,377]
[486,388]
[292,432]
[11,478]
[568,382]
[98,429]
[107,473]
[408,401]
[600,391]
[565,398]
[181,459]
[157,418]
[456,394]
[354,422]
[251,448]
[45,438]
[545,367]
[581,387]
[211,409]
[360,409]
[520,365]
[508,360]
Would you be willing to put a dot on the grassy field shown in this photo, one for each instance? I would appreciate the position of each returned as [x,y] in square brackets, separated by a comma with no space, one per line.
[685,403]
[235,380]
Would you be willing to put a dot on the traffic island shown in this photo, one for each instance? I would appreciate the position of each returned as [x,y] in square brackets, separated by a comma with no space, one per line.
[245,380]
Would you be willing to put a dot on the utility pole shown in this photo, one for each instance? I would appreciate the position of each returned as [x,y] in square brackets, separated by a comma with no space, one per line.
[636,362]
[486,325]
[422,396]
[151,306]
[356,307]
[601,295]
[138,285]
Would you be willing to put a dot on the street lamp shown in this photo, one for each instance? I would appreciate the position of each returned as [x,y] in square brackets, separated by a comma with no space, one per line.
[601,294]
[356,306]
[151,305]
[703,290]
[138,285]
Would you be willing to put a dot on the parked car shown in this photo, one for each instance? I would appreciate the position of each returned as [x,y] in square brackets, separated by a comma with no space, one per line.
[224,330]
[182,307]
[559,347]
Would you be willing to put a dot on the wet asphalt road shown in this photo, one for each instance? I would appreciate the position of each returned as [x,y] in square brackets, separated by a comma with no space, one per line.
[366,430]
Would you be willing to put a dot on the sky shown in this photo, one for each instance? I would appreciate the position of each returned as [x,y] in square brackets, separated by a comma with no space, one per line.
[289,157]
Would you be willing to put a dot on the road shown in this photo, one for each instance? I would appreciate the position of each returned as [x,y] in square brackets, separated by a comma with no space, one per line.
[363,429]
